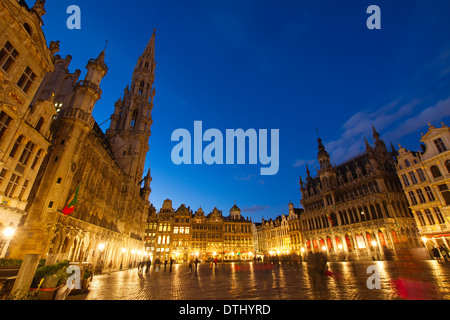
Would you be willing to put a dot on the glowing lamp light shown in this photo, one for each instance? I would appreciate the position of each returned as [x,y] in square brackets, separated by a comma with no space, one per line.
[133,251]
[374,243]
[340,247]
[9,232]
[302,249]
[424,239]
[324,248]
[101,246]
[123,250]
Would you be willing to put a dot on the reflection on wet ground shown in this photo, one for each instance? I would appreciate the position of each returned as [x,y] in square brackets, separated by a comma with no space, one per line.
[424,279]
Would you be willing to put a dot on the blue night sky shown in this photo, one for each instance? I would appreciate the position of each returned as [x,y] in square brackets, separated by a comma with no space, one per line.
[288,65]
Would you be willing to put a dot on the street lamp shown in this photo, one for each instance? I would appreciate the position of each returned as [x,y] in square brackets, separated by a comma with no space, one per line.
[374,245]
[8,233]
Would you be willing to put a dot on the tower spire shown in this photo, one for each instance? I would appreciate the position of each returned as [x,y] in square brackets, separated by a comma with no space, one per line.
[131,121]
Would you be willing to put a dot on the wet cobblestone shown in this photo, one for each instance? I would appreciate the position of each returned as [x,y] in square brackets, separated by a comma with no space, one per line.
[249,281]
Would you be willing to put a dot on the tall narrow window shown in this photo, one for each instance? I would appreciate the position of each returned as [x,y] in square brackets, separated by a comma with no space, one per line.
[447,165]
[8,56]
[440,145]
[36,158]
[24,189]
[429,216]
[26,153]
[413,177]
[133,118]
[12,185]
[439,215]
[2,175]
[16,146]
[420,217]
[5,120]
[26,80]
[412,197]
[405,179]
[421,174]
[429,193]
[39,124]
[421,196]
[141,87]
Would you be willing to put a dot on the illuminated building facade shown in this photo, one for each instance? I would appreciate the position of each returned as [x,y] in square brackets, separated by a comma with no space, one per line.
[25,122]
[183,235]
[425,177]
[356,210]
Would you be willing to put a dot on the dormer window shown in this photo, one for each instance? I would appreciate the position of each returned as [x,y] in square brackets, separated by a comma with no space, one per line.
[407,163]
[440,145]
[27,28]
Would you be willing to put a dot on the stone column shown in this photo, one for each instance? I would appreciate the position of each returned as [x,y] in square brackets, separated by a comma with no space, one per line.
[25,277]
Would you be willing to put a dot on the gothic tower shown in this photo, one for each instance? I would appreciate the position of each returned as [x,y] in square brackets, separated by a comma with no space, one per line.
[129,130]
[327,172]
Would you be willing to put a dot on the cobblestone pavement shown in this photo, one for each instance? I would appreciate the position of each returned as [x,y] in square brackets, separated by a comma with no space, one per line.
[248,281]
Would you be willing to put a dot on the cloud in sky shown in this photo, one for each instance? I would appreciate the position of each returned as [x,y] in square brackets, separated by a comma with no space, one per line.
[358,126]
[394,120]
[301,162]
[255,208]
[431,114]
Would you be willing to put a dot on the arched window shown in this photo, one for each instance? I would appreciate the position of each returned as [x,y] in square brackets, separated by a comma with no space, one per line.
[435,172]
[334,219]
[27,28]
[146,65]
[407,163]
[133,119]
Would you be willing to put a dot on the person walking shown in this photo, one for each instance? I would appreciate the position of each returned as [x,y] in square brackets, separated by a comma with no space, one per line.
[443,252]
[196,263]
[149,264]
[171,263]
[157,266]
[165,264]
[215,263]
[446,250]
[110,266]
[436,254]
[191,261]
